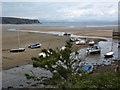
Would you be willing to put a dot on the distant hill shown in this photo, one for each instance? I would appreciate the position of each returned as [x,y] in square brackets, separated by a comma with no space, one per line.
[12,20]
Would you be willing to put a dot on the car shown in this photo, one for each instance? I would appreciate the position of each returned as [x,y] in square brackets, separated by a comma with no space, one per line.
[34,45]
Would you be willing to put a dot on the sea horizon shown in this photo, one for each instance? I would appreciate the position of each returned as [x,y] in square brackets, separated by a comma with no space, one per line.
[69,24]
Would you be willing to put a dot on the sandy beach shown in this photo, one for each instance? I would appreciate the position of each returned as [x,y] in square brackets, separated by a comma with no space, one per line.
[9,40]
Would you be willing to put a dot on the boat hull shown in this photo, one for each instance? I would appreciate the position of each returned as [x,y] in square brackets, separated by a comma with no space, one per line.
[95,52]
[108,56]
[17,50]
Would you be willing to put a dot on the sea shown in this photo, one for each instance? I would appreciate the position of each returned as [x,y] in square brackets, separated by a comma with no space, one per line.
[70,24]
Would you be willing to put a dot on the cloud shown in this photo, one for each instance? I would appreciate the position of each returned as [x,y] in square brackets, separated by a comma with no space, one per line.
[72,11]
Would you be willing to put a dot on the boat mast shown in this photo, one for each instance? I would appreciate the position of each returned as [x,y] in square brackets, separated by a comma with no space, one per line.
[18,39]
[112,44]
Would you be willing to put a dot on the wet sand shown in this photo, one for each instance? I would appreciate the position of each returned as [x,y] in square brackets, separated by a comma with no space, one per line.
[9,40]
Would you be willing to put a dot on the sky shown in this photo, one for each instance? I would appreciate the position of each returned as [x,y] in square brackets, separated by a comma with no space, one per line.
[63,11]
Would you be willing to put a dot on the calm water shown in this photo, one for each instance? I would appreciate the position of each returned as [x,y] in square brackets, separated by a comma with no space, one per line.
[66,24]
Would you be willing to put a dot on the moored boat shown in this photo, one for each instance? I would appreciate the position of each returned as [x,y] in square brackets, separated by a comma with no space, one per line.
[91,43]
[93,50]
[109,55]
[17,50]
[86,68]
[80,42]
[118,44]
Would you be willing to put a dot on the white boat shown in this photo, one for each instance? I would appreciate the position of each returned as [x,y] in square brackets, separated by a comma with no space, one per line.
[80,42]
[67,34]
[93,50]
[17,50]
[72,39]
[109,54]
[43,54]
[91,43]
[118,44]
[63,48]
[34,45]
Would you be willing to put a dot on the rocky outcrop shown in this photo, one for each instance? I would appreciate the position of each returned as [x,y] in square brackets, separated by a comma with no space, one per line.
[12,20]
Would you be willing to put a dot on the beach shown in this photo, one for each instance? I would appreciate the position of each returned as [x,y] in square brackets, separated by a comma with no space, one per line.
[9,41]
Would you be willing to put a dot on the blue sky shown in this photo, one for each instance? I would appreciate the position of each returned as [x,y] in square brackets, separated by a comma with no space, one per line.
[62,11]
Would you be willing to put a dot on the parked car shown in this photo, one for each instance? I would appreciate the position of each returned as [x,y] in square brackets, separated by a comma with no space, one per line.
[34,45]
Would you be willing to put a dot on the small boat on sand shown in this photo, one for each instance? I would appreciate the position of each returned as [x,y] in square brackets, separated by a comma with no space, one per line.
[62,48]
[34,45]
[14,50]
[17,50]
[80,42]
[91,43]
[67,34]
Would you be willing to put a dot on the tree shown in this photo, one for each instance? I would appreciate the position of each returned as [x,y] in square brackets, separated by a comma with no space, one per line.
[64,76]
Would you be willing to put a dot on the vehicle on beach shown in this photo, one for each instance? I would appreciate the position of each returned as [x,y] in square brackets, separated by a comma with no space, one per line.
[91,43]
[80,42]
[93,50]
[109,54]
[17,50]
[34,45]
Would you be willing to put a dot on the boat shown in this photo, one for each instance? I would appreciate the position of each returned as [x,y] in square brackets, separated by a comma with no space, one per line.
[80,42]
[91,43]
[44,55]
[17,50]
[86,68]
[93,50]
[72,39]
[62,48]
[67,34]
[109,54]
[34,45]
[118,44]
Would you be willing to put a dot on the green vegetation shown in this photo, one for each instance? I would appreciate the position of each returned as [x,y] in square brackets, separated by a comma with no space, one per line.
[64,76]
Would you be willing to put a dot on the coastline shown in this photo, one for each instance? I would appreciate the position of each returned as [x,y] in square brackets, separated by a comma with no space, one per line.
[10,41]
[17,64]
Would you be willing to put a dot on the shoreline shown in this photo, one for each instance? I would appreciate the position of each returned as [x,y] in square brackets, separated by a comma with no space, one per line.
[10,41]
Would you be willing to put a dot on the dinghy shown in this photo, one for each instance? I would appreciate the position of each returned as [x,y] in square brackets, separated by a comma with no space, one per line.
[91,43]
[80,42]
[109,55]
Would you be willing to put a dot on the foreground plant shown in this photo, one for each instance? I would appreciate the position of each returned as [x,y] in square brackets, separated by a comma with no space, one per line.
[64,76]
